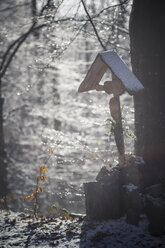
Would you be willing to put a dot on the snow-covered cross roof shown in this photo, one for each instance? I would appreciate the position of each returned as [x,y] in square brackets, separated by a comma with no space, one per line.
[111,60]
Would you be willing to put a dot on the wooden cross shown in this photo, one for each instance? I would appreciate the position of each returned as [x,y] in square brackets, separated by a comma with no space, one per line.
[122,80]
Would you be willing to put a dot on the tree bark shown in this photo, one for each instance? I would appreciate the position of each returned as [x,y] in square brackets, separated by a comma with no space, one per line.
[3,169]
[147,43]
[34,8]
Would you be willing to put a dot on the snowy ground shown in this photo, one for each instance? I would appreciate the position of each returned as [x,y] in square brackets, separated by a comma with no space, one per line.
[18,230]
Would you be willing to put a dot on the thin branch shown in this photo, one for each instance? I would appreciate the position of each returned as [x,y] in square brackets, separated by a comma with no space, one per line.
[19,41]
[45,7]
[93,16]
[7,52]
[110,7]
[21,38]
[94,28]
[14,7]
[74,38]
[7,57]
[66,47]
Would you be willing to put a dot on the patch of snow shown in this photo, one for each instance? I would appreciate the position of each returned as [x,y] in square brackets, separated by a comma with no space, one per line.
[139,160]
[130,187]
[78,232]
[113,61]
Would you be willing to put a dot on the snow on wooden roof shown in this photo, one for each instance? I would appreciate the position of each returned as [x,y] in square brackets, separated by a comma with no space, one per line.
[111,60]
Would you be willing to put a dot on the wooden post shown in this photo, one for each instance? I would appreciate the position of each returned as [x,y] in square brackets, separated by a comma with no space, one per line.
[3,174]
[115,87]
[115,111]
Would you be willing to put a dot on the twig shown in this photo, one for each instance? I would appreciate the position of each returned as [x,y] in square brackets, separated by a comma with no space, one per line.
[14,7]
[7,57]
[109,7]
[19,41]
[94,28]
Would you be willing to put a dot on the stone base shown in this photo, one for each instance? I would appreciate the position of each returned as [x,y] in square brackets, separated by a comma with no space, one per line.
[102,200]
[127,191]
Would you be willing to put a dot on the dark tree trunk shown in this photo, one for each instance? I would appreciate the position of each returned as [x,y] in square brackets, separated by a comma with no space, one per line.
[34,8]
[34,15]
[147,39]
[3,170]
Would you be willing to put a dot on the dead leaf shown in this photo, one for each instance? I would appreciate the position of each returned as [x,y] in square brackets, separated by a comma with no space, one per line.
[26,198]
[68,232]
[39,178]
[44,169]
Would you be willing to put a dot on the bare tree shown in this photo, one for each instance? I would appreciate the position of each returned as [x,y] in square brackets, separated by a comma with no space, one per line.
[6,60]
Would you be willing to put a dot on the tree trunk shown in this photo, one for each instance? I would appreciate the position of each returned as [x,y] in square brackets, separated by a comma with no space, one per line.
[3,171]
[147,40]
[34,8]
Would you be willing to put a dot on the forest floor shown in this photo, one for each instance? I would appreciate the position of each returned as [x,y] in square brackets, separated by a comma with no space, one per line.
[20,230]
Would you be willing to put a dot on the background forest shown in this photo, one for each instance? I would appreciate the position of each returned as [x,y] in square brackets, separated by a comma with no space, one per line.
[46,50]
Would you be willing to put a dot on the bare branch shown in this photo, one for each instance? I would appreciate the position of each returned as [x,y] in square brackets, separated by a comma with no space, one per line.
[7,52]
[45,7]
[19,41]
[94,28]
[13,48]
[110,7]
[14,7]
[15,45]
